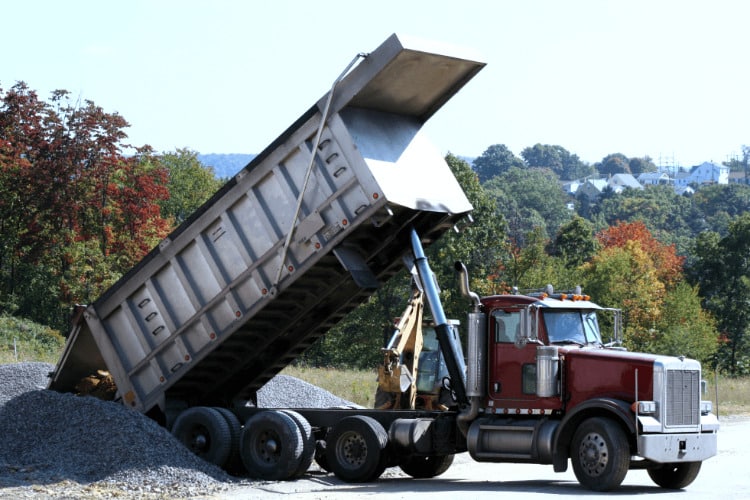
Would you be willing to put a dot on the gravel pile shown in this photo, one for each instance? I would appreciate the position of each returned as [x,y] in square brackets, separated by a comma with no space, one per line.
[284,391]
[57,445]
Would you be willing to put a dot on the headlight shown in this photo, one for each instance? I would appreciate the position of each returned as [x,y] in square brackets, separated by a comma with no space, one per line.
[644,407]
[706,407]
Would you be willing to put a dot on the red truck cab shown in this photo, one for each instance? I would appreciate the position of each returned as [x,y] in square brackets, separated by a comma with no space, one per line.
[556,389]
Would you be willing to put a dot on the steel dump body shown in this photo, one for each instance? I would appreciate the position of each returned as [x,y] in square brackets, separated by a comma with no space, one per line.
[202,320]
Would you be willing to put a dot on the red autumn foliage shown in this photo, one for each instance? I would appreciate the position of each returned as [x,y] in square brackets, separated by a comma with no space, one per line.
[65,180]
[668,264]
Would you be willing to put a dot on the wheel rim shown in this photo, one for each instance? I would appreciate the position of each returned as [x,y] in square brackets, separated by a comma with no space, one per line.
[199,440]
[352,450]
[593,454]
[268,448]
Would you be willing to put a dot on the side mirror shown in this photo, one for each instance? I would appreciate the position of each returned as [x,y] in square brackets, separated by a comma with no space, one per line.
[527,331]
[524,330]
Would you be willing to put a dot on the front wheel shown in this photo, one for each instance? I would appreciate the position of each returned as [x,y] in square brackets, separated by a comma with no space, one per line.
[600,454]
[675,476]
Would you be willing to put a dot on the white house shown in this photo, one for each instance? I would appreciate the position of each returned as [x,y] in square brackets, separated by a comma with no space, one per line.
[705,173]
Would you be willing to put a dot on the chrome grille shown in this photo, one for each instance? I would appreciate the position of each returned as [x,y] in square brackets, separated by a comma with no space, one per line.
[683,397]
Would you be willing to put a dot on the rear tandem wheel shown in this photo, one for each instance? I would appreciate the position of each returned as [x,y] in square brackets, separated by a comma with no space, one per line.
[205,432]
[271,445]
[356,449]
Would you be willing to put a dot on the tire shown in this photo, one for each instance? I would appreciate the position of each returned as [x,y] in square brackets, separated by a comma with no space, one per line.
[308,442]
[675,476]
[234,462]
[271,446]
[426,467]
[355,449]
[205,432]
[600,454]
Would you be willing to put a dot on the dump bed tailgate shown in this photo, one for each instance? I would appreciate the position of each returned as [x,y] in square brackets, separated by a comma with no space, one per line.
[226,301]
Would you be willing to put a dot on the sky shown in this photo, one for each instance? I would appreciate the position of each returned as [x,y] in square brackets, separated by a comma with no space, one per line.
[665,79]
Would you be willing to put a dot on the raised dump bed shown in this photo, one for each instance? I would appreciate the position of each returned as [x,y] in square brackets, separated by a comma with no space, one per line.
[231,297]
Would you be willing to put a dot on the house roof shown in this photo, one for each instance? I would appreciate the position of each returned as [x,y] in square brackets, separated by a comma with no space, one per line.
[624,180]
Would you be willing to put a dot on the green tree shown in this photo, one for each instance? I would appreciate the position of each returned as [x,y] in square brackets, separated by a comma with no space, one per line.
[718,204]
[722,271]
[495,160]
[685,328]
[575,242]
[529,198]
[641,165]
[190,184]
[478,245]
[616,163]
[565,165]
[527,266]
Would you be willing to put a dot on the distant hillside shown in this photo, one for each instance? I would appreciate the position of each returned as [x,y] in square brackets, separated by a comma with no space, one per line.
[225,165]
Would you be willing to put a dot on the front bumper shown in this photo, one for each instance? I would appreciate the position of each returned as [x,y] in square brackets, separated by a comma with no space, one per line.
[670,448]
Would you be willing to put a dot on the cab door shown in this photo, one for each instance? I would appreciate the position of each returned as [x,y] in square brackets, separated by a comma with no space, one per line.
[512,373]
[512,368]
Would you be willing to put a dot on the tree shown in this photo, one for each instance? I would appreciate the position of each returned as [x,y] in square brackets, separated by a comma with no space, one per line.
[528,198]
[525,266]
[670,217]
[625,277]
[722,271]
[616,163]
[479,245]
[667,264]
[641,165]
[565,165]
[686,328]
[495,160]
[190,184]
[718,204]
[68,192]
[575,242]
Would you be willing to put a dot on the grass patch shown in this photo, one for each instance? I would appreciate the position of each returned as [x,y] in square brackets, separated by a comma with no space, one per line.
[23,340]
[733,394]
[357,386]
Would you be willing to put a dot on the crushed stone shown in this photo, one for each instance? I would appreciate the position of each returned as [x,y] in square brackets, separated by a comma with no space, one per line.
[61,445]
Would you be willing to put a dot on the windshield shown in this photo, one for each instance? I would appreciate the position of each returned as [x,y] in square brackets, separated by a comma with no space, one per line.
[572,327]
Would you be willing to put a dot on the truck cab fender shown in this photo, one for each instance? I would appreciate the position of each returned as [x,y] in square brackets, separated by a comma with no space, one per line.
[615,409]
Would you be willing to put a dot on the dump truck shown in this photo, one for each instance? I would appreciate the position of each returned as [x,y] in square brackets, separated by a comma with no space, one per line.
[341,201]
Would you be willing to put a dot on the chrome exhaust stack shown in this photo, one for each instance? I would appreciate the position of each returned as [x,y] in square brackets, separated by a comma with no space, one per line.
[477,352]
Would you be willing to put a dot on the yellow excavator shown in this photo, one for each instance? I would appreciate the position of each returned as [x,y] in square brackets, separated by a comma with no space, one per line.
[413,374]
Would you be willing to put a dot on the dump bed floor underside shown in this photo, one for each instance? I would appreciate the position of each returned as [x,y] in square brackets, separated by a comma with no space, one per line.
[297,317]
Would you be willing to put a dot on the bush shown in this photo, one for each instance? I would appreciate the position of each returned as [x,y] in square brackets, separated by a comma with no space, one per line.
[24,340]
